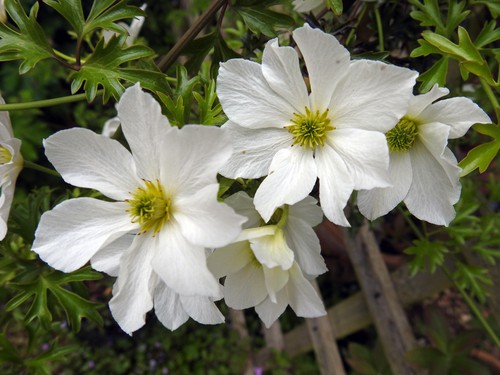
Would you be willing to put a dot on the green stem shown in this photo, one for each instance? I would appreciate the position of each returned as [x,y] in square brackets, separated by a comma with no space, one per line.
[69,59]
[379,29]
[167,60]
[44,103]
[353,30]
[408,219]
[492,97]
[473,308]
[31,165]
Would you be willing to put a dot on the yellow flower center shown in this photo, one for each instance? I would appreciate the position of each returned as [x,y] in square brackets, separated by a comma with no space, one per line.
[402,136]
[150,207]
[310,130]
[5,155]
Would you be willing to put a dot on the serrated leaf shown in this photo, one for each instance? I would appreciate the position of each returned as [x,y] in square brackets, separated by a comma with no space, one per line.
[426,255]
[425,357]
[336,6]
[428,14]
[480,157]
[105,14]
[472,278]
[71,10]
[489,34]
[425,49]
[27,43]
[101,69]
[456,15]
[464,50]
[264,21]
[435,75]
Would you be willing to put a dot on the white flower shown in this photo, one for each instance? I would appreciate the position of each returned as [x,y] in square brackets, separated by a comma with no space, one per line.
[262,269]
[132,30]
[11,163]
[110,127]
[423,171]
[166,198]
[306,6]
[335,132]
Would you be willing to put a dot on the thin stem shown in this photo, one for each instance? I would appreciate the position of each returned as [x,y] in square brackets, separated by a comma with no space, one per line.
[416,230]
[473,308]
[353,30]
[70,59]
[492,97]
[45,102]
[167,60]
[31,165]
[379,29]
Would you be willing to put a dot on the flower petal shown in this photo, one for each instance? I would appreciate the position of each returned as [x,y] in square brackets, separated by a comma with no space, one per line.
[230,259]
[379,201]
[254,150]
[307,210]
[372,96]
[335,184]
[71,233]
[93,161]
[182,265]
[133,290]
[110,127]
[205,221]
[144,127]
[247,98]
[272,250]
[246,288]
[306,6]
[202,309]
[108,258]
[419,102]
[270,311]
[168,307]
[327,61]
[275,279]
[302,296]
[292,176]
[281,69]
[5,124]
[366,156]
[458,113]
[242,204]
[305,245]
[435,187]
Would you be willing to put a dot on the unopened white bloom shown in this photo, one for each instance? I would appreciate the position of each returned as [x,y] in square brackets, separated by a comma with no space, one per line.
[334,132]
[11,163]
[165,197]
[423,171]
[262,269]
[133,30]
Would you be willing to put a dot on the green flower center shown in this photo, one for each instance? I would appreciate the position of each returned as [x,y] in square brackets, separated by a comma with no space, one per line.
[5,155]
[150,207]
[402,136]
[310,130]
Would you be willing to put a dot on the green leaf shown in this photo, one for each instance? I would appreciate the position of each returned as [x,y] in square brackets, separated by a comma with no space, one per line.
[435,75]
[105,13]
[27,43]
[464,50]
[489,34]
[265,21]
[472,278]
[456,15]
[71,10]
[493,6]
[426,255]
[425,49]
[427,358]
[481,156]
[428,14]
[102,69]
[336,6]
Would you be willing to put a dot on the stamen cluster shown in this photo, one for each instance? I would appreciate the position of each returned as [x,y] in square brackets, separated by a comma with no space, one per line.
[402,136]
[310,130]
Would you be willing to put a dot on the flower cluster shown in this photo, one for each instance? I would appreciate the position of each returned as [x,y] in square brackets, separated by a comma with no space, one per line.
[353,124]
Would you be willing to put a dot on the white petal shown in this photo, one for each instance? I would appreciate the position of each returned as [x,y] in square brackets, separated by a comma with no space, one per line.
[272,250]
[71,233]
[110,127]
[275,279]
[366,156]
[168,307]
[307,210]
[292,176]
[5,124]
[192,156]
[335,184]
[182,265]
[327,61]
[254,150]
[281,69]
[303,298]
[108,258]
[242,204]
[144,127]
[247,98]
[458,113]
[8,175]
[306,6]
[246,288]
[202,309]
[435,187]
[269,311]
[93,161]
[133,290]
[379,201]
[230,259]
[372,96]
[305,244]
[419,102]
[205,221]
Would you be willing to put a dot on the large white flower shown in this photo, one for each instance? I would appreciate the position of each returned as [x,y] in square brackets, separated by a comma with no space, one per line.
[165,196]
[11,163]
[335,132]
[263,269]
[423,171]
